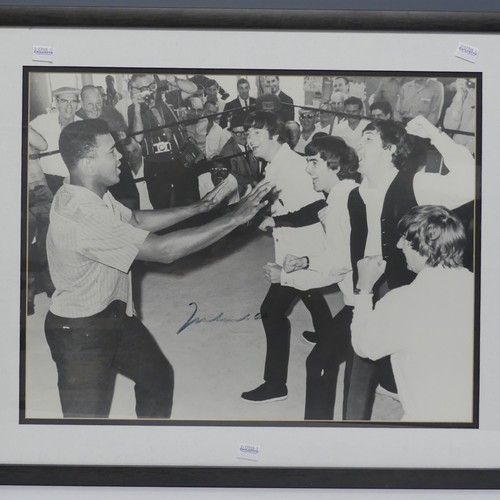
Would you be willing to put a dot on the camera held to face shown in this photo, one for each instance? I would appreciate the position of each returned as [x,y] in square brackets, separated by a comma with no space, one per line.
[147,96]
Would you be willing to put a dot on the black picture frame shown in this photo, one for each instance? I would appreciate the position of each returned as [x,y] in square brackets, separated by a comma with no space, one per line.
[250,477]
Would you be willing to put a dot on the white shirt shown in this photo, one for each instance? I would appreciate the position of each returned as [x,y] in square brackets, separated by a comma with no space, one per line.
[331,265]
[122,106]
[374,201]
[142,188]
[428,329]
[90,248]
[287,171]
[49,128]
[328,129]
[302,143]
[350,136]
[451,190]
[216,140]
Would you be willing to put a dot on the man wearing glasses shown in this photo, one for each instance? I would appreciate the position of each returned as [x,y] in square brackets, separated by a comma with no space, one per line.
[49,126]
[245,168]
[173,183]
[308,128]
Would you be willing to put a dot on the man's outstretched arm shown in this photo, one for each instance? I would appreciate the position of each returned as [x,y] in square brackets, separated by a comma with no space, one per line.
[155,220]
[170,247]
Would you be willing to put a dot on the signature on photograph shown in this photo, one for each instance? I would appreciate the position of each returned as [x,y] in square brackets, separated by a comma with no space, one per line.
[195,319]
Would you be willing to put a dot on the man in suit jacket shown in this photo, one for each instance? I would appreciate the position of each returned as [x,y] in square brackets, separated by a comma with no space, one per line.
[272,86]
[242,101]
[246,168]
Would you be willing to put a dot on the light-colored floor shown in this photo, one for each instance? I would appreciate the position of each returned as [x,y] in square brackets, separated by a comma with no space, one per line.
[214,361]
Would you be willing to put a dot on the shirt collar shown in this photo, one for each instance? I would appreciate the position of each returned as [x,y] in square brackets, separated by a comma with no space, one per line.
[383,185]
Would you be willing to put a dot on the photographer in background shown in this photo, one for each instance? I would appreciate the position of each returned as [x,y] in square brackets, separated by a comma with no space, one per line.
[167,151]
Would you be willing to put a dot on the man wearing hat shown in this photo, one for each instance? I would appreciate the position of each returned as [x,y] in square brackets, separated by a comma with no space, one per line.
[245,168]
[49,126]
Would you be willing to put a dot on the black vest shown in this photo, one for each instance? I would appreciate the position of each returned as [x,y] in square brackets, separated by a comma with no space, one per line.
[398,200]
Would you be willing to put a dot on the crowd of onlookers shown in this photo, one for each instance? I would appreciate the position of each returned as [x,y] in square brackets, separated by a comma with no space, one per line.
[354,182]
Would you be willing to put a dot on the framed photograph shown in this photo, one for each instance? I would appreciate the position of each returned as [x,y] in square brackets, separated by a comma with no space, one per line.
[249,257]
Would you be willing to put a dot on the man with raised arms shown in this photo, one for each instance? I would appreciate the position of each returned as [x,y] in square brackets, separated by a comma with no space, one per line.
[91,328]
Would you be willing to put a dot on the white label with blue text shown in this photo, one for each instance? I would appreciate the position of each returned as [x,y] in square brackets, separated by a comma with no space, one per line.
[467,52]
[248,452]
[43,53]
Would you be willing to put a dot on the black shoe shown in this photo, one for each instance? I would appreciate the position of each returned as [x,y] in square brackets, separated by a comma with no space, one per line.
[266,393]
[310,337]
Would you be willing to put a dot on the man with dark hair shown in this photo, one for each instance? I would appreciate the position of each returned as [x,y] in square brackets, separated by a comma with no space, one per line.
[272,86]
[296,229]
[211,92]
[92,241]
[388,191]
[165,149]
[426,327]
[93,107]
[381,110]
[240,105]
[291,134]
[352,128]
[333,167]
[341,84]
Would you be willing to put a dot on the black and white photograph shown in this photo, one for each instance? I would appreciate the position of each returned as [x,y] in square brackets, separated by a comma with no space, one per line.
[250,247]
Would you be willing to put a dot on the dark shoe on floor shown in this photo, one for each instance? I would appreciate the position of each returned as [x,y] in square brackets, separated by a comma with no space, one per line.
[310,337]
[266,393]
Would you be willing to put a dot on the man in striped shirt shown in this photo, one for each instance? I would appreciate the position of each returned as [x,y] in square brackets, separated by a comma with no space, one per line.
[92,241]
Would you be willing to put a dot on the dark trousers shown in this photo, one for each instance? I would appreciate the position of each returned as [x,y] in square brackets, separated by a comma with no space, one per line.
[274,311]
[90,351]
[322,366]
[169,182]
[40,199]
[361,379]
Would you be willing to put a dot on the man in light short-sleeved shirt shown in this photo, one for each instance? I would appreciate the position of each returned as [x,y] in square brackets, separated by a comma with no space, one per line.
[49,126]
[427,327]
[92,241]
